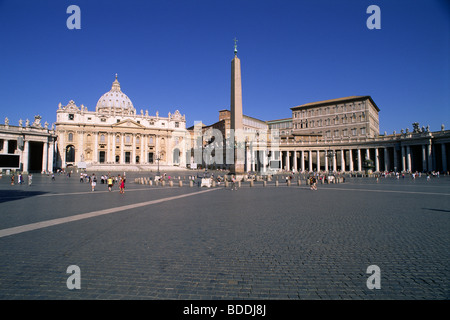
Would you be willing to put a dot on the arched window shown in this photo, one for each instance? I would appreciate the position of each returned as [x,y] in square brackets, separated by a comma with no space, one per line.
[70,137]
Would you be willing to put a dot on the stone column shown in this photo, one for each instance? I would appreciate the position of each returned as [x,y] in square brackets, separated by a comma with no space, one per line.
[254,156]
[302,163]
[430,157]
[295,161]
[288,163]
[424,157]
[81,135]
[386,159]
[310,161]
[95,156]
[113,153]
[326,160]
[334,161]
[359,159]
[247,159]
[133,148]
[342,160]
[395,159]
[377,161]
[408,158]
[403,159]
[62,149]
[122,150]
[141,157]
[5,146]
[51,150]
[318,160]
[264,161]
[350,160]
[25,153]
[44,156]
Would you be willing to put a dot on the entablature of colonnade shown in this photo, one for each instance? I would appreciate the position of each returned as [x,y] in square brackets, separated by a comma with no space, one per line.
[38,135]
[379,142]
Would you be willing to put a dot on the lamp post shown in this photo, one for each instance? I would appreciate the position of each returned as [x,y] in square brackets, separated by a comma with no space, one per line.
[157,159]
[330,155]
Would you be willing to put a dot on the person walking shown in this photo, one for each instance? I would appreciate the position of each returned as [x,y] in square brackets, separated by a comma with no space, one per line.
[93,181]
[30,179]
[110,183]
[313,183]
[122,185]
[233,183]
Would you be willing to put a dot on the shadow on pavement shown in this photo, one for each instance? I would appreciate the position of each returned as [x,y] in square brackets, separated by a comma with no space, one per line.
[441,210]
[11,195]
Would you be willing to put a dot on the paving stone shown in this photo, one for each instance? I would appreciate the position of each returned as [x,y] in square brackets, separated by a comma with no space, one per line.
[257,243]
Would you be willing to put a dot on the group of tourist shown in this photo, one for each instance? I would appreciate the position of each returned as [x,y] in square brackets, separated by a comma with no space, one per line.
[20,179]
[104,179]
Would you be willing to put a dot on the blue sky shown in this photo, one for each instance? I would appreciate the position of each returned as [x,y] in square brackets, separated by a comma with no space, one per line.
[176,54]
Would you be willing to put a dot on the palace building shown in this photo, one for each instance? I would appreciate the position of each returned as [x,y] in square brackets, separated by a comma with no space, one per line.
[116,135]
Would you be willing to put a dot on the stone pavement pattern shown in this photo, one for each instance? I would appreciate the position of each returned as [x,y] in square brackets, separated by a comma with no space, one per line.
[254,243]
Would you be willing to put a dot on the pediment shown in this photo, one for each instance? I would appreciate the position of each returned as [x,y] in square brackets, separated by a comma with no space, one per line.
[128,124]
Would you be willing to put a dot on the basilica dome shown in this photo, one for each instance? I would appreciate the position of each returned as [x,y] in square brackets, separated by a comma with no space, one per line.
[115,99]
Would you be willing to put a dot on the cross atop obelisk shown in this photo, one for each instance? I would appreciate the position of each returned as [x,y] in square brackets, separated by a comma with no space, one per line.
[236,111]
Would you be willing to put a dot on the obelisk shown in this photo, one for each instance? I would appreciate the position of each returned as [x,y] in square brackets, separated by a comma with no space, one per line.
[237,128]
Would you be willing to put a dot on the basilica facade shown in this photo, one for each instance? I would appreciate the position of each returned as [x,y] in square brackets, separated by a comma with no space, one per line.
[116,135]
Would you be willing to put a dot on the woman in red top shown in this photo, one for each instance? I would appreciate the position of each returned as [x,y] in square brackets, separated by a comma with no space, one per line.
[122,185]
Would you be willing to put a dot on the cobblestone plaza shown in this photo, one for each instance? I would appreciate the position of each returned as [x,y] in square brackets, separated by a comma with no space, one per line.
[259,242]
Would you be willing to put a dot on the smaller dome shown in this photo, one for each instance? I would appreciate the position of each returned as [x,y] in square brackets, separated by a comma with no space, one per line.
[115,98]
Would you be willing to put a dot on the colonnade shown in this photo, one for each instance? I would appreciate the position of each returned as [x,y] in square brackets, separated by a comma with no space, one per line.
[394,157]
[21,146]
